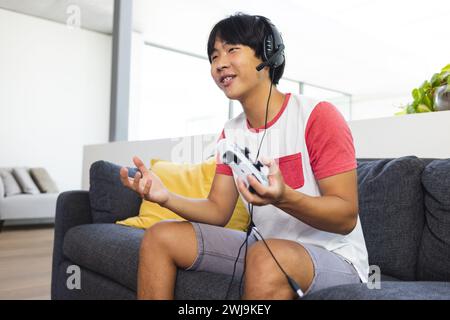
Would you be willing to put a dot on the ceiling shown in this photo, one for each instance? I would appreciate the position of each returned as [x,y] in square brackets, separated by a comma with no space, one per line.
[368,48]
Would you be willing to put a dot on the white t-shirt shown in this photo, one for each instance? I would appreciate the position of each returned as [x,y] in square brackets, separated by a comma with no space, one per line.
[310,140]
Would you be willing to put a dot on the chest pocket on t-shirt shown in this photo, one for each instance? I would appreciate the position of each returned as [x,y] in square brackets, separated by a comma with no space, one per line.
[292,170]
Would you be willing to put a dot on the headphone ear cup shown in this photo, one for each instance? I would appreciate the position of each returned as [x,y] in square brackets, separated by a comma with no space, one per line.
[279,59]
[268,47]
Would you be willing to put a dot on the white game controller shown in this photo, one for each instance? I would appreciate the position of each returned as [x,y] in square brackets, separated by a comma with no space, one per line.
[239,161]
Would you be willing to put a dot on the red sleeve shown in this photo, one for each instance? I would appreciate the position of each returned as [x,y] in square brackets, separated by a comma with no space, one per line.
[329,142]
[222,168]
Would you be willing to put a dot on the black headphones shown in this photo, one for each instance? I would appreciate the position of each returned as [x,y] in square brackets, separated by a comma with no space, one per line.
[273,47]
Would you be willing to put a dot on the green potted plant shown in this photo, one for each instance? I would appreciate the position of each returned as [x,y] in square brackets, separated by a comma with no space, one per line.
[433,95]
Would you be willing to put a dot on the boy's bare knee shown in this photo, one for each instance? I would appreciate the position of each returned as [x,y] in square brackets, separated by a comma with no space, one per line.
[159,233]
[174,238]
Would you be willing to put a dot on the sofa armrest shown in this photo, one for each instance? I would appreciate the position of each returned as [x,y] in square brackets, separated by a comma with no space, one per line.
[72,209]
[2,189]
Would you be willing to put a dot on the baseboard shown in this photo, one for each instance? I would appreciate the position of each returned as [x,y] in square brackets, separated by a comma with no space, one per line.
[29,222]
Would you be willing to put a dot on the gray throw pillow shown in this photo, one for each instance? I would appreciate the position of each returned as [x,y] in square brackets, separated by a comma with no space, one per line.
[24,179]
[392,214]
[110,200]
[10,183]
[434,252]
[43,180]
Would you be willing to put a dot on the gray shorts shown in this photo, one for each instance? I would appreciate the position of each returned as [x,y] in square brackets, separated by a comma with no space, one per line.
[218,248]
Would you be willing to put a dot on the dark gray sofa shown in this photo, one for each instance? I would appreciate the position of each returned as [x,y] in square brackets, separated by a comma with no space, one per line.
[404,212]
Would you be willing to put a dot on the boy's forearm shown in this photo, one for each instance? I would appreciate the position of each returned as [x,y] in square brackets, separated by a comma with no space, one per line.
[327,213]
[196,210]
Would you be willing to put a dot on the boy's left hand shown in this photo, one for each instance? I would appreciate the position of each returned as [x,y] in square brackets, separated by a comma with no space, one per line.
[264,194]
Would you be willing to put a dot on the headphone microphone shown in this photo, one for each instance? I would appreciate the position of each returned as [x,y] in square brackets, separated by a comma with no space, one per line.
[262,66]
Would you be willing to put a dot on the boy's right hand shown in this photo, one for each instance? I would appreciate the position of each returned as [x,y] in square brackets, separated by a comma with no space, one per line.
[147,184]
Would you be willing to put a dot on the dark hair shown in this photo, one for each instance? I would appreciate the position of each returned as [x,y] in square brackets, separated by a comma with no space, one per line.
[247,30]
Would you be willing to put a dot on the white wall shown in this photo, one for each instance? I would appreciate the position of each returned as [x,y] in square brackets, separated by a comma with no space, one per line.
[54,95]
[425,135]
[377,106]
[190,149]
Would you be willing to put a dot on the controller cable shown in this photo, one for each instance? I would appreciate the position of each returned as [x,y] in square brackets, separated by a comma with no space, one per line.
[292,283]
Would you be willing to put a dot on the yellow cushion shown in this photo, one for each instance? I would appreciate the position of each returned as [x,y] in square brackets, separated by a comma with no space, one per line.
[189,180]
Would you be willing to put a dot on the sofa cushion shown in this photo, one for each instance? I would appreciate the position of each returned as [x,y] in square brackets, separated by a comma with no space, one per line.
[24,180]
[110,200]
[109,249]
[10,183]
[434,252]
[201,285]
[112,251]
[404,290]
[94,286]
[28,206]
[391,213]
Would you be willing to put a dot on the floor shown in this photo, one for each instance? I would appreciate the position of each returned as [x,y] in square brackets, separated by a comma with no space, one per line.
[25,262]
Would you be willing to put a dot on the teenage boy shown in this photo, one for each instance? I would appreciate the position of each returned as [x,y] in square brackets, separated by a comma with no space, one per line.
[308,215]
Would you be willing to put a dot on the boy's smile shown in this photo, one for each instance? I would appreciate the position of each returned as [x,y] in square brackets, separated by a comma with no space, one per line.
[226,80]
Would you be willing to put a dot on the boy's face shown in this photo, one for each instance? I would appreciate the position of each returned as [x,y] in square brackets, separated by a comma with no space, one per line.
[233,68]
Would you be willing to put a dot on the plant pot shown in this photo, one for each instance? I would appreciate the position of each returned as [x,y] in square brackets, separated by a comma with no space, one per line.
[442,98]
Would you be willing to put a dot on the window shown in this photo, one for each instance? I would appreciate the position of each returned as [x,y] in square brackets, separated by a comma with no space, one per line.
[340,100]
[177,97]
[289,86]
